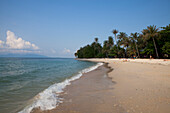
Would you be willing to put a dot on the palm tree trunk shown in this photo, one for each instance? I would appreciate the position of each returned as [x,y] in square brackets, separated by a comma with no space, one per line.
[94,53]
[94,50]
[137,49]
[116,39]
[106,55]
[155,47]
[125,52]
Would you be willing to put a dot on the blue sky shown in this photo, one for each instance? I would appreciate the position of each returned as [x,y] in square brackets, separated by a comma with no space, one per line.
[59,27]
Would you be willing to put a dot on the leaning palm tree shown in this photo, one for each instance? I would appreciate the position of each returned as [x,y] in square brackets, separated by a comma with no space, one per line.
[134,37]
[115,32]
[151,32]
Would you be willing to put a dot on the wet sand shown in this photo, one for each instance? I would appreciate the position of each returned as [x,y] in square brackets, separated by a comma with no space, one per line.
[92,93]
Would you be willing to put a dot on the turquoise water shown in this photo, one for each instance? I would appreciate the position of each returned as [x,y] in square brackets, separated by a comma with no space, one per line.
[21,79]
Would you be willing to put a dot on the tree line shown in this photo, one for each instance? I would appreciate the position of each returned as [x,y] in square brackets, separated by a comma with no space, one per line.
[151,42]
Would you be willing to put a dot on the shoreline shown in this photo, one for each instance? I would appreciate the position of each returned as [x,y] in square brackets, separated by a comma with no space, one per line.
[50,98]
[93,90]
[131,87]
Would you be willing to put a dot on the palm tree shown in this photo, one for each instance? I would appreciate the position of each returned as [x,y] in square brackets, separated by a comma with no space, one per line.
[115,32]
[96,40]
[134,37]
[110,42]
[121,35]
[106,48]
[151,32]
[166,29]
[124,41]
[97,47]
[94,44]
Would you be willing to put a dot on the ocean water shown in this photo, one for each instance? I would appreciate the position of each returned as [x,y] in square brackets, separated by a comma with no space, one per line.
[27,83]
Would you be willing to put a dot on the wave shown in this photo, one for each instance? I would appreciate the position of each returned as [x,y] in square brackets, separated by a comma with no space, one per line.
[49,98]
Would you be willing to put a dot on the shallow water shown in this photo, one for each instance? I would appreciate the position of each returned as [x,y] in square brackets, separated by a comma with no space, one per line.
[21,79]
[92,93]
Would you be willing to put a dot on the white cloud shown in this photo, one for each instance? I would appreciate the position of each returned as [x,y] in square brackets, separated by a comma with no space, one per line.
[16,44]
[66,51]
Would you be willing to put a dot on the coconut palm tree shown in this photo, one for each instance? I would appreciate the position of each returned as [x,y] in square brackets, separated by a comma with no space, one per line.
[121,35]
[106,48]
[166,29]
[124,41]
[151,32]
[97,47]
[110,42]
[115,32]
[134,37]
[96,40]
[94,45]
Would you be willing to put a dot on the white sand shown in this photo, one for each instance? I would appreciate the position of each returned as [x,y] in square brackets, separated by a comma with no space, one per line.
[149,61]
[142,85]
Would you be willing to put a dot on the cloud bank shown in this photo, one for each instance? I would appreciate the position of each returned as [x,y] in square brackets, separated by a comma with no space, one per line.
[13,43]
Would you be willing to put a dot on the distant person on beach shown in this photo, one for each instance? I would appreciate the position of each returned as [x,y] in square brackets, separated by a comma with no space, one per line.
[134,56]
[150,56]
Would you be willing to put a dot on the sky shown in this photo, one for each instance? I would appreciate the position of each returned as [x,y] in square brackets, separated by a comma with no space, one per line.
[58,28]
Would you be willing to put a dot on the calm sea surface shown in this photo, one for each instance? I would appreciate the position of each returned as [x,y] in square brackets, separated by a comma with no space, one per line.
[21,79]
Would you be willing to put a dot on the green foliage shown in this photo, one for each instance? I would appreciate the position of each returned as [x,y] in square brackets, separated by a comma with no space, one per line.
[105,49]
[151,41]
[90,51]
[86,52]
[149,49]
[166,49]
[110,41]
[115,32]
[164,41]
[117,52]
[151,32]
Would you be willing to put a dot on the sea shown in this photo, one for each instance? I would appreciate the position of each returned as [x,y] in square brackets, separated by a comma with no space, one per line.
[28,83]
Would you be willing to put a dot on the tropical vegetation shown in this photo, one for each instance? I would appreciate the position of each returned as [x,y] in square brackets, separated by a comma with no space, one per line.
[151,42]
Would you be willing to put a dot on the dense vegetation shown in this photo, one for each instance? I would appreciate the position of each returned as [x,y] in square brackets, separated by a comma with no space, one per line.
[150,42]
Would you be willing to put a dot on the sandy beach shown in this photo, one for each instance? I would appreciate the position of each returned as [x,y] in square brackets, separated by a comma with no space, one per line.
[142,86]
[128,86]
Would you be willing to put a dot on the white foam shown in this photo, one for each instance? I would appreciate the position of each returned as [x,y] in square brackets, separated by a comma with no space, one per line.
[49,98]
